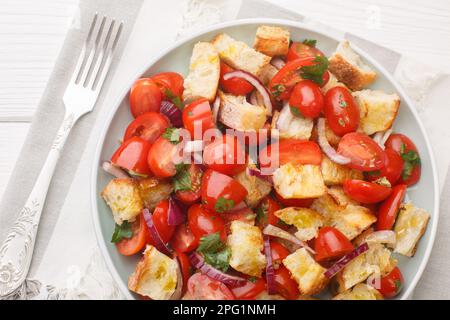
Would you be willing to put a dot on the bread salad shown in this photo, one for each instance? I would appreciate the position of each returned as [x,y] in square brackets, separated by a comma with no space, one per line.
[269,172]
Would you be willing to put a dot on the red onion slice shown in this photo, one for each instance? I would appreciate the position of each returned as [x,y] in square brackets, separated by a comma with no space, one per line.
[273,231]
[176,295]
[326,147]
[270,270]
[256,83]
[176,214]
[198,262]
[383,236]
[254,99]
[278,63]
[241,205]
[172,112]
[114,171]
[338,266]
[254,172]
[215,109]
[159,243]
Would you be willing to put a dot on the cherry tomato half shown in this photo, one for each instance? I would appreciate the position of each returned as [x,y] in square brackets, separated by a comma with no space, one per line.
[225,155]
[161,158]
[236,86]
[364,153]
[341,111]
[388,210]
[183,240]
[279,252]
[266,213]
[202,287]
[392,169]
[160,216]
[145,96]
[170,83]
[132,156]
[306,99]
[366,192]
[141,236]
[191,196]
[220,193]
[203,222]
[185,266]
[331,244]
[299,50]
[249,290]
[391,284]
[286,287]
[148,126]
[198,115]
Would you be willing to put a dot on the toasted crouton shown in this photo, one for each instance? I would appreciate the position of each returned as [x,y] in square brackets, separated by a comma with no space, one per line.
[377,110]
[257,188]
[361,291]
[204,72]
[239,55]
[348,67]
[246,243]
[308,274]
[339,196]
[307,221]
[235,112]
[122,196]
[267,73]
[290,126]
[377,260]
[153,191]
[155,275]
[298,181]
[332,82]
[272,41]
[336,174]
[350,219]
[409,228]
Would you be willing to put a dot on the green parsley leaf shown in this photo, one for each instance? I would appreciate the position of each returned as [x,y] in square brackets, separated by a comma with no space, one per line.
[316,71]
[252,279]
[223,204]
[295,111]
[219,260]
[172,134]
[342,103]
[374,173]
[261,214]
[214,251]
[182,179]
[310,42]
[176,100]
[122,231]
[278,89]
[411,160]
[210,243]
[398,285]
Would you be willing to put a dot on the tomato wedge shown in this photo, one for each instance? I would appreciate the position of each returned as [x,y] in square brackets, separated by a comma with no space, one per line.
[392,169]
[198,115]
[364,153]
[285,286]
[387,213]
[225,155]
[236,86]
[191,196]
[145,96]
[184,240]
[299,50]
[265,213]
[391,284]
[148,126]
[141,236]
[161,158]
[249,290]
[203,222]
[202,287]
[170,84]
[185,266]
[160,216]
[279,252]
[304,203]
[331,244]
[366,192]
[132,156]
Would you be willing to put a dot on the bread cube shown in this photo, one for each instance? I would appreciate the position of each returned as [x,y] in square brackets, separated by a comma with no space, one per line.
[152,191]
[290,126]
[336,174]
[361,291]
[272,41]
[307,221]
[257,188]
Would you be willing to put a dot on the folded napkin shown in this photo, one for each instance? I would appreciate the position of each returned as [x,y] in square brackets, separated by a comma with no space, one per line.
[67,264]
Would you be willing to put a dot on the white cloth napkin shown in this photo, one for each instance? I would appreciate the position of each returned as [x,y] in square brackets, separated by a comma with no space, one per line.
[72,267]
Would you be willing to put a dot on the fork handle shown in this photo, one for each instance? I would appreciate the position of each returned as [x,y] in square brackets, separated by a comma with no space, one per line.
[17,249]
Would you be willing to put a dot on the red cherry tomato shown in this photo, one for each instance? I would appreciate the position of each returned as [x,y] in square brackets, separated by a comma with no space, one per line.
[145,96]
[170,83]
[290,150]
[132,156]
[244,215]
[161,158]
[249,290]
[184,240]
[236,86]
[331,244]
[391,284]
[287,77]
[221,193]
[191,196]
[148,126]
[341,111]
[388,210]
[136,243]
[202,287]
[408,151]
[266,213]
[225,155]
[299,50]
[198,114]
[279,252]
[392,169]
[185,267]
[306,99]
[160,216]
[364,153]
[203,222]
[366,192]
[286,287]
[304,203]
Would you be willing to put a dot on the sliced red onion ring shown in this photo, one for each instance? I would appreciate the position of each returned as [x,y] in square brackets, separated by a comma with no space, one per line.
[255,172]
[215,109]
[254,99]
[172,112]
[176,295]
[159,243]
[278,63]
[273,231]
[338,266]
[114,171]
[381,137]
[176,214]
[383,236]
[270,270]
[256,83]
[198,262]
[193,146]
[326,147]
[386,136]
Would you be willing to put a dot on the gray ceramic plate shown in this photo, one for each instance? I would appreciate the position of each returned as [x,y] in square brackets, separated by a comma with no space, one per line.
[425,194]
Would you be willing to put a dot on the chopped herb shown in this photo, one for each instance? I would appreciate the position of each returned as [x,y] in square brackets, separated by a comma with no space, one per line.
[315,72]
[223,204]
[172,134]
[190,113]
[176,100]
[411,160]
[342,103]
[252,279]
[210,243]
[122,231]
[295,111]
[278,89]
[398,285]
[374,173]
[310,42]
[182,179]
[261,214]
[214,251]
[341,122]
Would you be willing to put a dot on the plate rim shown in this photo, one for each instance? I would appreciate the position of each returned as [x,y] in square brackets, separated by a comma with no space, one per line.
[233,23]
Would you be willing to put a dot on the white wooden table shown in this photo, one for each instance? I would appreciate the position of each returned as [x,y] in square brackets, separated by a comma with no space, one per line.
[31,33]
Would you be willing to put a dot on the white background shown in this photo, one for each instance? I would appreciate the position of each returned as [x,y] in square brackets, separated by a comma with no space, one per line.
[32,31]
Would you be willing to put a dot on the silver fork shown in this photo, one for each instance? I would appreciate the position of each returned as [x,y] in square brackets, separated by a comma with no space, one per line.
[79,98]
